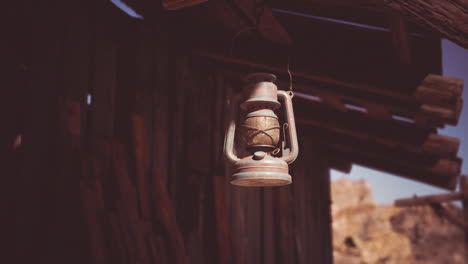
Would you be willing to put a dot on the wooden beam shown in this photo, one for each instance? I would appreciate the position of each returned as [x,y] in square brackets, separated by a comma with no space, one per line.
[464,189]
[178,4]
[400,38]
[442,173]
[439,90]
[428,199]
[364,4]
[425,115]
[433,145]
[448,18]
[241,16]
[303,75]
[380,103]
[442,210]
[339,165]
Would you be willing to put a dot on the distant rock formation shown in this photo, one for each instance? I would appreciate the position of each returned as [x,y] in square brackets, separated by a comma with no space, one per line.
[367,233]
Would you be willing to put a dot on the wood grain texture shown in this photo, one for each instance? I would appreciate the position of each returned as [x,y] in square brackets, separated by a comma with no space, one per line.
[448,18]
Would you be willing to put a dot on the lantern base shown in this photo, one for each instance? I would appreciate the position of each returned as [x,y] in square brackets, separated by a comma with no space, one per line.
[261,170]
[261,179]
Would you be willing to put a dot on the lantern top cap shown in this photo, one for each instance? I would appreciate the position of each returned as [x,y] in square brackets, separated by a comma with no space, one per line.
[260,77]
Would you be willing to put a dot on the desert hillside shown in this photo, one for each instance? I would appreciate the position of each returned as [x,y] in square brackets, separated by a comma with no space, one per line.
[367,233]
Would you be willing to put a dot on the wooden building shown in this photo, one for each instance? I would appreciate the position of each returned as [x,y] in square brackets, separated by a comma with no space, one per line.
[113,126]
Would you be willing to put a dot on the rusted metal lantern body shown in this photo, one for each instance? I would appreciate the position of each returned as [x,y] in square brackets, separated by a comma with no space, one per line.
[261,135]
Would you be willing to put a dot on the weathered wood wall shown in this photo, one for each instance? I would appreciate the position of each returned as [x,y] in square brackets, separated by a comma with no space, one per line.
[120,159]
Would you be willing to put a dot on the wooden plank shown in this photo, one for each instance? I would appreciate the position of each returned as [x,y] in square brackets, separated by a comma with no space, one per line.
[176,119]
[442,173]
[161,110]
[235,236]
[372,13]
[361,88]
[103,75]
[303,207]
[464,189]
[14,54]
[222,221]
[439,90]
[142,116]
[388,133]
[195,184]
[269,230]
[127,208]
[364,12]
[132,111]
[119,249]
[142,159]
[238,213]
[447,116]
[380,103]
[242,16]
[426,16]
[220,185]
[91,211]
[311,203]
[171,242]
[35,196]
[163,255]
[126,94]
[424,200]
[418,110]
[448,214]
[319,199]
[382,107]
[69,222]
[252,200]
[167,218]
[433,145]
[285,241]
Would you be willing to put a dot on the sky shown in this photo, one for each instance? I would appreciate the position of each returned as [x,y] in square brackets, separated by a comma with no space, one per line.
[386,187]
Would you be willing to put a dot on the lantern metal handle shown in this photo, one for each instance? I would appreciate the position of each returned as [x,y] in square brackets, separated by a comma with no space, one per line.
[292,155]
[231,131]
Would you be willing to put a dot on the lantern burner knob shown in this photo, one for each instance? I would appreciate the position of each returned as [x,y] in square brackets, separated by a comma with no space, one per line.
[258,155]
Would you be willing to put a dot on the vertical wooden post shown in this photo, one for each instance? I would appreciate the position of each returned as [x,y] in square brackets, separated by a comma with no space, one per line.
[400,38]
[464,189]
[303,230]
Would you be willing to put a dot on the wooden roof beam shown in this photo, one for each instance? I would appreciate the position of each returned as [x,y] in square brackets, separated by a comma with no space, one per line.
[448,18]
[437,101]
[242,16]
[442,173]
[437,198]
[178,4]
[433,145]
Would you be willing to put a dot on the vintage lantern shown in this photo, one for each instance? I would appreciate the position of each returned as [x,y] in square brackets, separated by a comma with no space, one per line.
[262,137]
